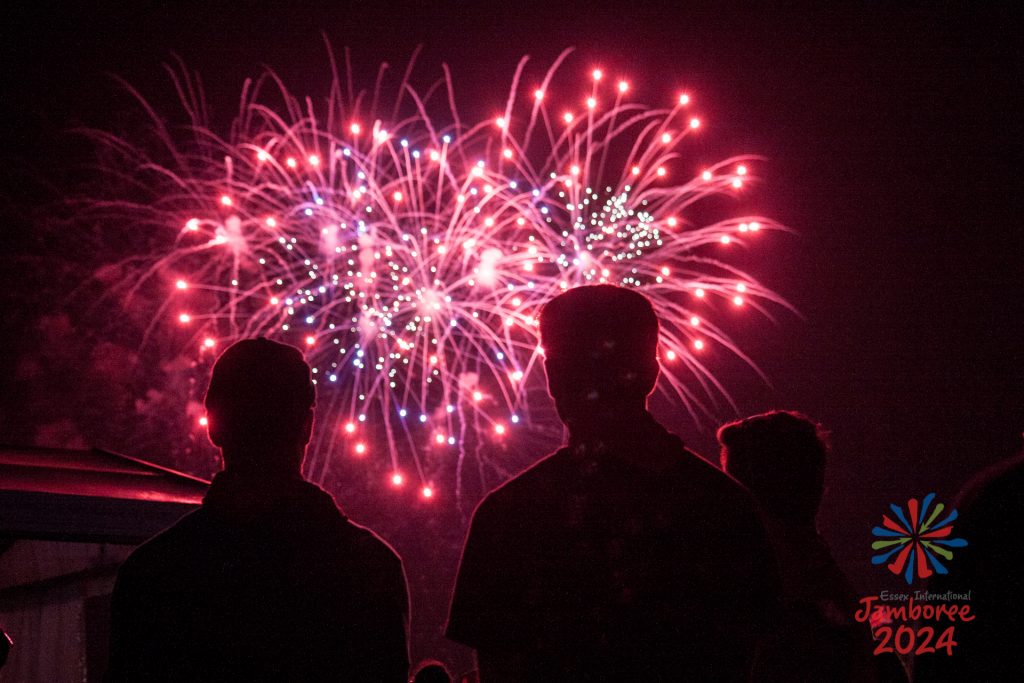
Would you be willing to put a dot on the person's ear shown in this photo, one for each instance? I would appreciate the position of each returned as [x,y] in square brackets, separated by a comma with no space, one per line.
[649,376]
[555,380]
[307,426]
[214,431]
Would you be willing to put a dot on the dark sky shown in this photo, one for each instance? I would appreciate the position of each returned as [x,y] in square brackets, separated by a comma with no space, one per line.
[893,141]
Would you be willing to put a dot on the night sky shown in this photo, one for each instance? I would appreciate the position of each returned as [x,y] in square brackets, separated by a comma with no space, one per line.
[893,143]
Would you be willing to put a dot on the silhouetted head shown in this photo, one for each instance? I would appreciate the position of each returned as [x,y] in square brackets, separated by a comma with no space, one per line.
[600,352]
[260,405]
[431,671]
[780,457]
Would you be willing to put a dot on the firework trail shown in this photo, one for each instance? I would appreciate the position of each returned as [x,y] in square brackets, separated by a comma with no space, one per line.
[410,253]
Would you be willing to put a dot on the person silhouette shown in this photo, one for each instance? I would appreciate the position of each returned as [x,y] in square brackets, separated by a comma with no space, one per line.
[623,555]
[989,507]
[267,580]
[780,456]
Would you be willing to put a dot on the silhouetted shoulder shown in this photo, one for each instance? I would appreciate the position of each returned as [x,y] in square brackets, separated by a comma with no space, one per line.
[166,548]
[524,485]
[672,467]
[697,469]
[1002,481]
[371,547]
[710,498]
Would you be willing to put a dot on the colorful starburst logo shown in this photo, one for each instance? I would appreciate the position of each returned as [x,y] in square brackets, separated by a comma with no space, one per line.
[916,539]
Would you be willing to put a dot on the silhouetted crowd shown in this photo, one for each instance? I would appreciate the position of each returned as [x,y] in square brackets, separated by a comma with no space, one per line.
[623,556]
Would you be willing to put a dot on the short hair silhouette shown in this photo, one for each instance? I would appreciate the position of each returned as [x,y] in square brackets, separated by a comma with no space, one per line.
[600,339]
[780,456]
[260,396]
